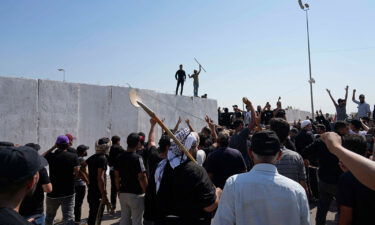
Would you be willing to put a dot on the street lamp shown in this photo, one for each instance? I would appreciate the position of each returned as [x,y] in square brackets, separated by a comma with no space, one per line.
[62,70]
[305,7]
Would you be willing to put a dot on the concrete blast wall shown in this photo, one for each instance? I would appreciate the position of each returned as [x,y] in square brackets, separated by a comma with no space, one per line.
[40,110]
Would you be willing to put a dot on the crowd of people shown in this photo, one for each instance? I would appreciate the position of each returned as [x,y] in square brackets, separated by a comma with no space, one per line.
[253,167]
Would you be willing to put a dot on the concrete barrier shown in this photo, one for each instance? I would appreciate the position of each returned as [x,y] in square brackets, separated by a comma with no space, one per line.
[40,110]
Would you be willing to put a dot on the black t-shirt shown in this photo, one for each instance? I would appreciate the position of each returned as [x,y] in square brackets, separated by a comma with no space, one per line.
[266,116]
[329,170]
[303,139]
[181,75]
[353,194]
[32,205]
[11,217]
[61,172]
[239,141]
[72,150]
[129,165]
[95,162]
[223,163]
[113,153]
[185,191]
[153,160]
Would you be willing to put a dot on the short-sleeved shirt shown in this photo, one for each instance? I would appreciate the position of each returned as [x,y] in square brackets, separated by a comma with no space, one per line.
[353,194]
[79,181]
[223,163]
[32,205]
[61,172]
[185,191]
[129,165]
[239,141]
[195,77]
[115,151]
[10,217]
[181,75]
[363,109]
[266,116]
[95,162]
[291,165]
[341,113]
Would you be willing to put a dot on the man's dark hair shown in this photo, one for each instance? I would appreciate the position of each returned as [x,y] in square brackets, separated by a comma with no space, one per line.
[63,146]
[355,143]
[356,123]
[294,130]
[223,139]
[115,139]
[237,123]
[103,141]
[81,149]
[164,142]
[34,146]
[206,130]
[133,140]
[281,127]
[340,125]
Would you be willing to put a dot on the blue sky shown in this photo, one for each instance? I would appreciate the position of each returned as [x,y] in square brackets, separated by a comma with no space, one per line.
[254,48]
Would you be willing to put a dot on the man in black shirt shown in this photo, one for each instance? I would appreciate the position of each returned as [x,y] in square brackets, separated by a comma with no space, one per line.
[224,161]
[80,182]
[356,200]
[114,152]
[185,194]
[305,136]
[131,182]
[71,139]
[97,165]
[266,115]
[19,176]
[279,112]
[180,77]
[32,206]
[329,171]
[152,158]
[63,168]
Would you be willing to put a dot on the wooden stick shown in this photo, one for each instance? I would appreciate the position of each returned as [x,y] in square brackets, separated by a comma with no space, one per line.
[165,128]
[200,65]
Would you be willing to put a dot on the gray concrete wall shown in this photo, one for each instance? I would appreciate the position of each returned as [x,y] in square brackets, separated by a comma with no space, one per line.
[40,110]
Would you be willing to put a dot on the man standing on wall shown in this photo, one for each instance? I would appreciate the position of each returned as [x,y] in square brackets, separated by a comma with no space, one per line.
[180,77]
[195,76]
[363,108]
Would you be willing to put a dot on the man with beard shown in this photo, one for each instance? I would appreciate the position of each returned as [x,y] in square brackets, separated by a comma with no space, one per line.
[19,175]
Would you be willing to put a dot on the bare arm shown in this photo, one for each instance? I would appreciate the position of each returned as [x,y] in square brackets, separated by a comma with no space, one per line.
[212,126]
[151,134]
[346,215]
[177,125]
[142,178]
[47,188]
[254,117]
[353,97]
[330,95]
[214,205]
[200,68]
[101,181]
[346,92]
[117,180]
[49,150]
[189,125]
[362,168]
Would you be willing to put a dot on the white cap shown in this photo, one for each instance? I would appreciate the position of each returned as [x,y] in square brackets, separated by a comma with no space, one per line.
[305,123]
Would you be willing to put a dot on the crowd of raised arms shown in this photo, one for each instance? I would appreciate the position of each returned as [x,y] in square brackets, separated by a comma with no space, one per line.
[252,167]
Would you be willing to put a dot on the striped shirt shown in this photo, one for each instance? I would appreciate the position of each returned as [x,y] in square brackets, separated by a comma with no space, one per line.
[291,165]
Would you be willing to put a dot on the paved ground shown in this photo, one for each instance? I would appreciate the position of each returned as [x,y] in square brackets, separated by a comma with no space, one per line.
[112,220]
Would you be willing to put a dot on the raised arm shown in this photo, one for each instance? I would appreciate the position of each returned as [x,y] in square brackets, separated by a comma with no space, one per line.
[189,125]
[151,134]
[353,97]
[330,95]
[254,117]
[200,68]
[177,125]
[212,126]
[362,168]
[346,92]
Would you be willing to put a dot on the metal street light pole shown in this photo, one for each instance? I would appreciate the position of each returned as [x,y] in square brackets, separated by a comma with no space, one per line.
[62,70]
[305,7]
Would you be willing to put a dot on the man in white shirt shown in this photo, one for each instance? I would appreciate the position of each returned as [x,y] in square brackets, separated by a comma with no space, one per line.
[263,196]
[363,108]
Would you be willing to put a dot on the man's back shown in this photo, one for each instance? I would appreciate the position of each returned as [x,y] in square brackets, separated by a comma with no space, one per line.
[262,196]
[223,163]
[291,165]
[95,162]
[129,165]
[61,171]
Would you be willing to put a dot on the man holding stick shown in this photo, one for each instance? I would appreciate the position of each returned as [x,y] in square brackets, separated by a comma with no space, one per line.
[195,76]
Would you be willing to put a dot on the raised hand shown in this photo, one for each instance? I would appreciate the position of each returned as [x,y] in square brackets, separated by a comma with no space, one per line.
[179,120]
[347,88]
[246,101]
[187,121]
[152,122]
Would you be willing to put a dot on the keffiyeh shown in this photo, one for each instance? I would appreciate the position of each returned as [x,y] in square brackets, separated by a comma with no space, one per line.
[175,155]
[104,148]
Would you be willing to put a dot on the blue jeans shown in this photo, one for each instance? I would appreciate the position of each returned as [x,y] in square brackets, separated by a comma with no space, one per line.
[38,219]
[67,208]
[196,86]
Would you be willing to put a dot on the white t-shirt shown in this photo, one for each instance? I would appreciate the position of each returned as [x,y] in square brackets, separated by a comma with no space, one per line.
[201,157]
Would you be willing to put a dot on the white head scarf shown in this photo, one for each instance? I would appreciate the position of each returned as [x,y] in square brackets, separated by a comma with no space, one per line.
[175,155]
